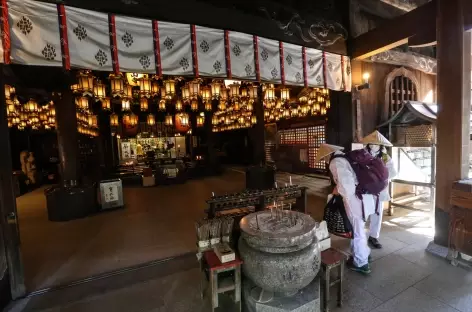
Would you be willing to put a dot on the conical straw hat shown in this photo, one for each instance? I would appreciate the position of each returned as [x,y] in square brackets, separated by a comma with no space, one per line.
[376,138]
[326,150]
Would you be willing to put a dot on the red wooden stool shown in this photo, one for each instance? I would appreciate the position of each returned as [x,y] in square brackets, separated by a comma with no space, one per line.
[215,267]
[331,259]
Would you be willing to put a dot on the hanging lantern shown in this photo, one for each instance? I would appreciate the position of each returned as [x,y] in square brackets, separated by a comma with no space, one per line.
[99,90]
[316,107]
[325,91]
[43,116]
[194,89]
[303,99]
[169,120]
[185,93]
[227,120]
[17,103]
[236,106]
[151,120]
[224,94]
[162,105]
[206,94]
[294,112]
[269,94]
[155,89]
[143,104]
[241,120]
[253,119]
[133,120]
[215,90]
[125,105]
[304,110]
[8,91]
[253,92]
[11,108]
[244,93]
[200,121]
[106,104]
[92,121]
[34,118]
[169,88]
[178,105]
[222,105]
[313,95]
[285,94]
[208,106]
[323,111]
[85,82]
[145,87]
[194,105]
[114,120]
[31,106]
[249,107]
[163,93]
[328,104]
[266,113]
[234,91]
[214,120]
[128,92]
[184,119]
[126,119]
[286,113]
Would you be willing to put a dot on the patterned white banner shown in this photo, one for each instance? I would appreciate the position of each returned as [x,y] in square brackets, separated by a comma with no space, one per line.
[314,67]
[269,60]
[347,74]
[176,49]
[89,39]
[34,33]
[293,64]
[241,49]
[334,73]
[135,41]
[210,44]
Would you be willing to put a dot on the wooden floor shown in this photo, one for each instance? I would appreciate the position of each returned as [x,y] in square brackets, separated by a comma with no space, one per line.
[157,223]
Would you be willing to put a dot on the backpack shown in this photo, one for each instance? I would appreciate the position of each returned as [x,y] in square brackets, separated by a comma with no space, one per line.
[371,173]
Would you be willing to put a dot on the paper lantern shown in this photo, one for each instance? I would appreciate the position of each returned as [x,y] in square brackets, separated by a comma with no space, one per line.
[125,105]
[31,106]
[114,120]
[253,119]
[99,90]
[186,93]
[208,106]
[269,94]
[178,105]
[85,83]
[133,120]
[244,93]
[215,90]
[143,104]
[169,88]
[194,89]
[169,121]
[117,85]
[285,94]
[234,91]
[106,104]
[155,89]
[128,92]
[162,105]
[222,105]
[200,121]
[328,103]
[206,94]
[224,94]
[194,105]
[145,87]
[151,120]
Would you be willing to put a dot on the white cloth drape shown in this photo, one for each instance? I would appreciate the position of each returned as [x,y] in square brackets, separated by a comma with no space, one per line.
[347,74]
[210,44]
[135,41]
[333,72]
[314,67]
[176,49]
[269,60]
[89,39]
[293,64]
[241,55]
[34,33]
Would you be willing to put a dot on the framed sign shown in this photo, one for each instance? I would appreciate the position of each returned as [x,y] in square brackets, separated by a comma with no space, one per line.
[111,194]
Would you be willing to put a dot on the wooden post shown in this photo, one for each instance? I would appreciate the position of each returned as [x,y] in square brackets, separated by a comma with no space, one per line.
[8,218]
[453,81]
[257,133]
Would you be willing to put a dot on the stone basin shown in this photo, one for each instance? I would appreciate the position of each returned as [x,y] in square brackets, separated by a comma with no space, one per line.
[280,251]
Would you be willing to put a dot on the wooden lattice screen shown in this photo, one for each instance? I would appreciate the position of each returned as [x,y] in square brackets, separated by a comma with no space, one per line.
[401,89]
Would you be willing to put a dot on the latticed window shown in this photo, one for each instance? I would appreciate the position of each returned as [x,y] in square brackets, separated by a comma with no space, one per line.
[401,89]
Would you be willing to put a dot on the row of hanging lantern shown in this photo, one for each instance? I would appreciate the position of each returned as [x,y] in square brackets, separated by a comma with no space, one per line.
[315,102]
[29,115]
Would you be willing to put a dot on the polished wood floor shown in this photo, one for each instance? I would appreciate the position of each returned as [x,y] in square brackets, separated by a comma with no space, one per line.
[157,223]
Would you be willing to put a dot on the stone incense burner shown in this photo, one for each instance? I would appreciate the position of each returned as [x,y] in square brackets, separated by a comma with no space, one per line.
[280,250]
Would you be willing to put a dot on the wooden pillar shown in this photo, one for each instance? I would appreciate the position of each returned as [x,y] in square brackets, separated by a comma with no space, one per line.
[257,134]
[8,218]
[210,142]
[67,137]
[453,81]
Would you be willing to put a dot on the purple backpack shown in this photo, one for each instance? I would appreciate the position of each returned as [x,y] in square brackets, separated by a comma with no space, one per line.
[371,173]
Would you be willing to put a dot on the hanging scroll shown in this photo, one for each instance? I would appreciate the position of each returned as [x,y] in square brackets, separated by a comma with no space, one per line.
[134,38]
[293,64]
[269,60]
[210,46]
[89,39]
[347,73]
[314,67]
[175,48]
[241,55]
[34,33]
[333,72]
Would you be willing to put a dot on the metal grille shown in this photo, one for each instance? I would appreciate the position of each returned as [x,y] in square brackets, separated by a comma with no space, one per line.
[415,136]
[401,89]
[316,137]
[269,151]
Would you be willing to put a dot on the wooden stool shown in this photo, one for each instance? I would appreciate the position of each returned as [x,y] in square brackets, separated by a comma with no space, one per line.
[331,259]
[215,267]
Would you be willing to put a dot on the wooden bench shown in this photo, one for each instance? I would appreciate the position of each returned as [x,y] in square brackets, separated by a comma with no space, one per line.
[332,259]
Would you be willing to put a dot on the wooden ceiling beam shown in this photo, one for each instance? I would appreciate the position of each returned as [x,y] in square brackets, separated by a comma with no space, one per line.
[395,32]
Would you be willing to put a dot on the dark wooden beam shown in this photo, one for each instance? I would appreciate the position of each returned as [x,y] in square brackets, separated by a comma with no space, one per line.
[395,32]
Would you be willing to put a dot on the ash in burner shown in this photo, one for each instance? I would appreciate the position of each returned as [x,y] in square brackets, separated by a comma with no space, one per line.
[282,222]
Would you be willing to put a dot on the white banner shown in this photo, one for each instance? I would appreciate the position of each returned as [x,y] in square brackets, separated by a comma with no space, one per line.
[293,64]
[210,44]
[135,41]
[347,74]
[241,52]
[89,39]
[34,33]
[334,73]
[269,60]
[314,67]
[176,49]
